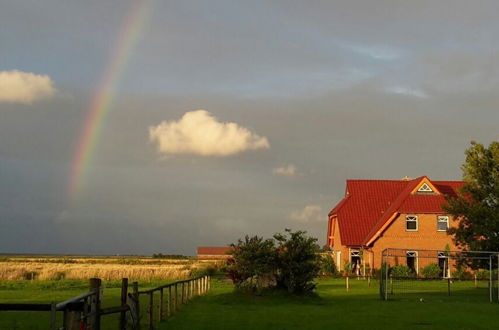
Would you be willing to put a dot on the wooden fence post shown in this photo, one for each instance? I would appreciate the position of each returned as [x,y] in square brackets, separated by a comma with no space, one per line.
[124,294]
[347,284]
[161,304]
[72,317]
[170,301]
[176,298]
[136,300]
[151,310]
[183,287]
[95,286]
[53,316]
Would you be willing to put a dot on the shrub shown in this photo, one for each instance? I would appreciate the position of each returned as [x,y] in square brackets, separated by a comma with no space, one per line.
[431,271]
[297,261]
[483,274]
[291,264]
[348,268]
[462,274]
[327,265]
[252,258]
[168,256]
[208,270]
[402,271]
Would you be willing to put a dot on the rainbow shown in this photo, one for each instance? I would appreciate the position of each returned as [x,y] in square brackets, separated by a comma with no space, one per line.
[103,98]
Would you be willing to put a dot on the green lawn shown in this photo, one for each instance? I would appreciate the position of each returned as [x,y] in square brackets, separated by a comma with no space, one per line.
[334,308]
[48,291]
[330,308]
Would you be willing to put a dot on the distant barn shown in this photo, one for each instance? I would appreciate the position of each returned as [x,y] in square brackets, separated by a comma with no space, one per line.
[213,252]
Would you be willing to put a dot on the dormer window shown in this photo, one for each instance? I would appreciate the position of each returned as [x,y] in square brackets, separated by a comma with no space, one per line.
[411,223]
[425,188]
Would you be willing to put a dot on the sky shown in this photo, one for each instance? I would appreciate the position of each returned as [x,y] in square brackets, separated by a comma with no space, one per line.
[139,127]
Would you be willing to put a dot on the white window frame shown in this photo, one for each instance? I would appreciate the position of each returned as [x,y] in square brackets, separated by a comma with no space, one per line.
[415,219]
[439,220]
[425,188]
[354,253]
[416,259]
[444,255]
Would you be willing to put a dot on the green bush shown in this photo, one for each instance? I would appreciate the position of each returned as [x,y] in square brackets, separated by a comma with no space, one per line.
[347,268]
[483,274]
[327,266]
[252,258]
[402,271]
[431,271]
[289,261]
[462,275]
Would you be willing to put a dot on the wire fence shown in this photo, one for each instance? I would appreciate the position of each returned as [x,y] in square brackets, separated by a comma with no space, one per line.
[439,275]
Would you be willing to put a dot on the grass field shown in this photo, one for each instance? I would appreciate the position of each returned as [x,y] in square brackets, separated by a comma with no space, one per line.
[334,308]
[106,268]
[330,308]
[48,291]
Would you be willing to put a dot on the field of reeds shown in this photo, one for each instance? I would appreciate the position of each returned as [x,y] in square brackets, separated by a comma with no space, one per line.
[106,268]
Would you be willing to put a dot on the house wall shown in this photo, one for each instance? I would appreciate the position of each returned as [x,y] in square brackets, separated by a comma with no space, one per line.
[341,252]
[426,237]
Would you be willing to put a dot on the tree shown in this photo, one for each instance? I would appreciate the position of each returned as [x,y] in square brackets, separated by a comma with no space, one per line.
[253,260]
[477,203]
[298,261]
[288,261]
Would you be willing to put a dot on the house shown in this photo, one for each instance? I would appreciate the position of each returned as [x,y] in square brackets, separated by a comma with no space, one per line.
[213,252]
[379,214]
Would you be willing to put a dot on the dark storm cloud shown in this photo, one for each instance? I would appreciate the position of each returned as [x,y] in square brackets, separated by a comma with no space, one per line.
[355,89]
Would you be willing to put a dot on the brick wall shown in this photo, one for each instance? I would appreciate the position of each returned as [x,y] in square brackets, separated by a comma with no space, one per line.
[396,236]
[426,237]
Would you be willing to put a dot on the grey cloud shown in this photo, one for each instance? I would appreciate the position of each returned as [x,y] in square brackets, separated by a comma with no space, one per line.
[333,85]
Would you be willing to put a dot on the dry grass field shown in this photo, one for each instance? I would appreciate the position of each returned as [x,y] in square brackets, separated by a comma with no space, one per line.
[106,268]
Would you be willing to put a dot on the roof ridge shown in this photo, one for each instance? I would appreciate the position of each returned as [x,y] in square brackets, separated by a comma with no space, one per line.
[393,206]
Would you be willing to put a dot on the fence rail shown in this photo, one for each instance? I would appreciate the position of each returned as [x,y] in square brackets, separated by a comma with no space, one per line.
[84,311]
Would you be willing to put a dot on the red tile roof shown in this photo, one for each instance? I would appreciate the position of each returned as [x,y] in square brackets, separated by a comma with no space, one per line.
[369,204]
[213,250]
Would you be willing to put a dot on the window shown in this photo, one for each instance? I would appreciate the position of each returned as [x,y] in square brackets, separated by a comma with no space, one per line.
[442,223]
[412,260]
[355,261]
[425,188]
[443,263]
[355,253]
[411,223]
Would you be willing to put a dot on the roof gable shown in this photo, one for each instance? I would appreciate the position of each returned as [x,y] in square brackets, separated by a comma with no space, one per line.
[424,186]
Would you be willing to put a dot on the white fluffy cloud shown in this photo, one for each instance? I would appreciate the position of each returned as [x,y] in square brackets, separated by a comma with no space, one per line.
[24,87]
[198,132]
[310,213]
[288,170]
